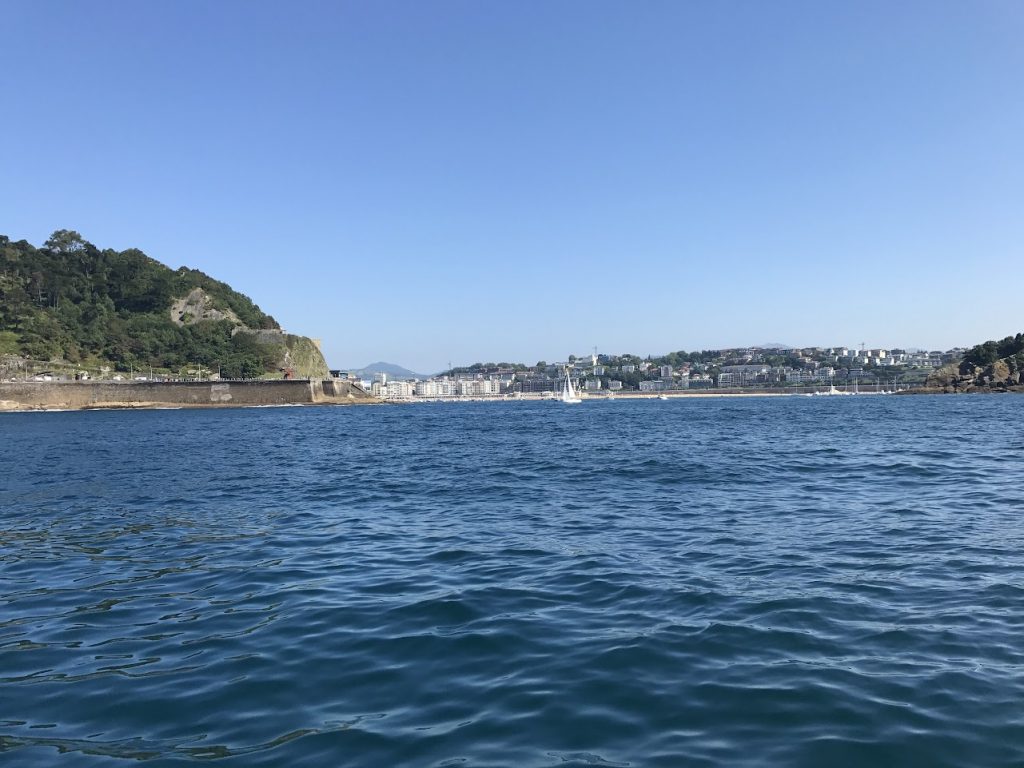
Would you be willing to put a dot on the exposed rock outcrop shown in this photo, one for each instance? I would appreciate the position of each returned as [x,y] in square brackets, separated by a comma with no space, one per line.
[198,306]
[999,376]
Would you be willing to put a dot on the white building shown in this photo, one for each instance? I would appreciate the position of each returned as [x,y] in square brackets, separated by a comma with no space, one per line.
[435,388]
[478,387]
[392,390]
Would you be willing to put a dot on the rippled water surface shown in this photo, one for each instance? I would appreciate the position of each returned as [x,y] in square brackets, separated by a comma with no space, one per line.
[720,582]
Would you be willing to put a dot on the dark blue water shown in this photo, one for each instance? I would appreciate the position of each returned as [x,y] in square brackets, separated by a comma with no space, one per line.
[719,582]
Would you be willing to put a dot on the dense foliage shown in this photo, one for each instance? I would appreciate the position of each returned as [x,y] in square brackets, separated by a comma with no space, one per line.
[70,300]
[990,351]
[1010,350]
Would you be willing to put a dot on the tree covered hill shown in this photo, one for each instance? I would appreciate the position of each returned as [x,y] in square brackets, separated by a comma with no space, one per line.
[996,364]
[1010,350]
[992,365]
[69,300]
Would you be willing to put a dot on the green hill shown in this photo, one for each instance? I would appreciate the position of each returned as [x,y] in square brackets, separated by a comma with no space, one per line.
[71,301]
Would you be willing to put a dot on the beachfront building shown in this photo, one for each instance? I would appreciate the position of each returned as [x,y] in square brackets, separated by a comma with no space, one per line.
[478,387]
[745,375]
[535,384]
[796,376]
[435,388]
[392,390]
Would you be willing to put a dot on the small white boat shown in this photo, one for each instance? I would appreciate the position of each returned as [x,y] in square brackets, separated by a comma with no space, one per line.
[569,395]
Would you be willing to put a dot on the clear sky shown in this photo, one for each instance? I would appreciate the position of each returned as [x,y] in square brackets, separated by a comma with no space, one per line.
[424,182]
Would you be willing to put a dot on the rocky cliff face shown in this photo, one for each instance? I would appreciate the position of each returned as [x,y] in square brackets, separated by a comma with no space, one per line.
[198,306]
[1000,376]
[305,357]
[299,354]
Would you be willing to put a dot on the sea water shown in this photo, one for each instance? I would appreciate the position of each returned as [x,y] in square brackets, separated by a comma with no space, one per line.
[699,582]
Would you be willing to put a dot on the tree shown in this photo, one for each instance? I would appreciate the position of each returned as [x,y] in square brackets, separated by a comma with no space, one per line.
[983,354]
[66,241]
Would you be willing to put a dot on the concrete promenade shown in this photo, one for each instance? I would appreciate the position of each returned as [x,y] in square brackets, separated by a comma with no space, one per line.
[81,395]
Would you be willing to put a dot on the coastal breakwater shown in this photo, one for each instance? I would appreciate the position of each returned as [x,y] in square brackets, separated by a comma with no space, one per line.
[20,396]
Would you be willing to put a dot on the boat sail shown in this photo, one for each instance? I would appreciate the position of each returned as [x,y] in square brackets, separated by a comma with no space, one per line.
[568,391]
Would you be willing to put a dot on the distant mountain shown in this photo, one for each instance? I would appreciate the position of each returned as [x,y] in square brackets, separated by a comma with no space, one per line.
[392,370]
[773,345]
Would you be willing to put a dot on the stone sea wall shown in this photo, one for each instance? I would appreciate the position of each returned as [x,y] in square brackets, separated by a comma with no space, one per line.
[193,394]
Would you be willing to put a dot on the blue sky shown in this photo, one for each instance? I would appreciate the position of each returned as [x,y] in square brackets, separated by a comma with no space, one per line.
[424,182]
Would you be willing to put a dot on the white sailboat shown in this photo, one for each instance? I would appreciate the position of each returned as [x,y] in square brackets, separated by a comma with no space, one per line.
[569,395]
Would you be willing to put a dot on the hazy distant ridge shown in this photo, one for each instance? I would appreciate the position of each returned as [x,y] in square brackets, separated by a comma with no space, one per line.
[391,369]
